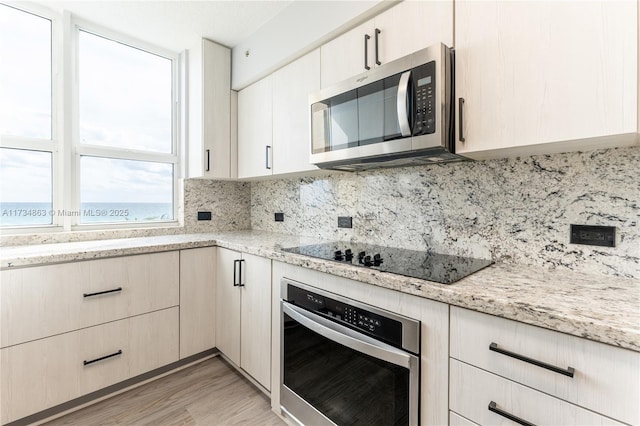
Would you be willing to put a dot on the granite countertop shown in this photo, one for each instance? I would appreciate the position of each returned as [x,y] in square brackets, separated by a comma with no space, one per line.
[600,308]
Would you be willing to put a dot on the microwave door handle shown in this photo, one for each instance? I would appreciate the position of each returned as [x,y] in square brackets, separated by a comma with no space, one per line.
[346,337]
[401,104]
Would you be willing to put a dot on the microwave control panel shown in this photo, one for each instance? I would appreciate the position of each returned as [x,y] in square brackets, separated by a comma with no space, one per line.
[424,83]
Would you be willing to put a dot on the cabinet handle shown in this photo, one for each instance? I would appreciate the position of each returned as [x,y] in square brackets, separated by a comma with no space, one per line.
[569,371]
[208,160]
[366,54]
[266,157]
[377,55]
[460,112]
[98,293]
[493,407]
[240,268]
[102,358]
[235,269]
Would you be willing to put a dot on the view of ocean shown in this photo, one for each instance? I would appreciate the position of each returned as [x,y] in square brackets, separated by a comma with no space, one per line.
[29,214]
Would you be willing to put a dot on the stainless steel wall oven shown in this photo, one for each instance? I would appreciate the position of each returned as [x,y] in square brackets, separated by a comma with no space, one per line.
[346,363]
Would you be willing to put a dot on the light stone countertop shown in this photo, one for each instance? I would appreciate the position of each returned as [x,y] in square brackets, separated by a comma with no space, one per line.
[600,308]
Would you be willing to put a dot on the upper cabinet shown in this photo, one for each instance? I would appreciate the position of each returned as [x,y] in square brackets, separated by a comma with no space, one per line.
[212,144]
[542,77]
[401,30]
[255,147]
[219,158]
[273,120]
[291,115]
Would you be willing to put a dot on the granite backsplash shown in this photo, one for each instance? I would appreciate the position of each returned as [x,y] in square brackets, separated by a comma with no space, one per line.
[510,210]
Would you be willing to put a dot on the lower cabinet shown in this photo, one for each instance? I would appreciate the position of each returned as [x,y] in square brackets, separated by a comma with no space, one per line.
[197,300]
[243,312]
[539,375]
[47,372]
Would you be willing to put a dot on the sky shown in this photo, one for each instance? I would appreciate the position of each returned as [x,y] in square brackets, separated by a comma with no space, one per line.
[124,101]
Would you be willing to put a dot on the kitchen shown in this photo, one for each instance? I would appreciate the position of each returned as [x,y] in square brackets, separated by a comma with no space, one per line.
[543,97]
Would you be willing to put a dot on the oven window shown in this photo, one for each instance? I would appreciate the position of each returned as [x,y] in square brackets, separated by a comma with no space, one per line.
[348,387]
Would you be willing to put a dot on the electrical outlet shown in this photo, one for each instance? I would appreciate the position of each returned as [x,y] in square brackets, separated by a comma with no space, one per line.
[344,222]
[204,215]
[593,235]
[279,217]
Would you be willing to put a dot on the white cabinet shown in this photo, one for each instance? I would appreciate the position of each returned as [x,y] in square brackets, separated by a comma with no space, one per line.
[255,147]
[543,77]
[605,379]
[41,301]
[212,148]
[291,113]
[197,300]
[489,399]
[399,31]
[47,372]
[243,312]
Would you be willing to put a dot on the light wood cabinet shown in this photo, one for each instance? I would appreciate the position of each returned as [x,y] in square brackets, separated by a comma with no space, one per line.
[255,126]
[243,312]
[220,147]
[197,300]
[543,77]
[42,301]
[47,372]
[291,113]
[399,31]
[606,379]
[488,399]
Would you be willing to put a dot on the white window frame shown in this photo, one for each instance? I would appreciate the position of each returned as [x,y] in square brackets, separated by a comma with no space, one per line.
[65,146]
[53,145]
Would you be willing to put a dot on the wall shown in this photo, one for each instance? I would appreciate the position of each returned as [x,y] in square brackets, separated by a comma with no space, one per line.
[510,210]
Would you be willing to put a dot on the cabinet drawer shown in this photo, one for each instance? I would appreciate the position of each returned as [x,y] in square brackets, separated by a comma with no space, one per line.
[47,300]
[47,372]
[473,390]
[606,378]
[457,420]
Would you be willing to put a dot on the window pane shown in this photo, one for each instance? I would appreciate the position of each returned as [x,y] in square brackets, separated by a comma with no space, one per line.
[25,74]
[125,190]
[124,95]
[25,188]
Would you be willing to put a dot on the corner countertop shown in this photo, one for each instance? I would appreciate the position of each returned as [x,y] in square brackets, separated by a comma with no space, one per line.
[599,308]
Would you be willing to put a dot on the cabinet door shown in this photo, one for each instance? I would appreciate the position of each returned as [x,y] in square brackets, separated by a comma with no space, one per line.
[344,56]
[291,113]
[411,26]
[535,72]
[255,130]
[197,300]
[256,318]
[227,305]
[216,111]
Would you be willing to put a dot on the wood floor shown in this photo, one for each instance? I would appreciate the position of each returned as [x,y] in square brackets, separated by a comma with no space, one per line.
[209,393]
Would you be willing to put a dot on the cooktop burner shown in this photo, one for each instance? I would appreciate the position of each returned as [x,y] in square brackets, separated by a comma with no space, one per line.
[440,268]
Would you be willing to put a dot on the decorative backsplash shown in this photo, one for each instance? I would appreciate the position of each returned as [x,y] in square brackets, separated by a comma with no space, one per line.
[509,210]
[229,204]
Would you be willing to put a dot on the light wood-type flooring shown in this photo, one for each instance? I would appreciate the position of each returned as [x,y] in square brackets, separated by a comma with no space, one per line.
[210,393]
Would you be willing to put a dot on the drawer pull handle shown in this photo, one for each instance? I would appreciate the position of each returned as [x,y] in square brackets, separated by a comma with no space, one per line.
[493,407]
[113,290]
[569,371]
[103,357]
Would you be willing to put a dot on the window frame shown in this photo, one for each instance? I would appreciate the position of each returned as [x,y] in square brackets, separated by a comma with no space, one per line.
[53,145]
[65,146]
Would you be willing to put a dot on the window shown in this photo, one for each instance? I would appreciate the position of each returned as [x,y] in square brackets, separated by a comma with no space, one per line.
[118,161]
[26,125]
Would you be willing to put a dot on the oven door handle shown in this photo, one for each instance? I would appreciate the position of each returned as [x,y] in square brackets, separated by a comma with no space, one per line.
[349,338]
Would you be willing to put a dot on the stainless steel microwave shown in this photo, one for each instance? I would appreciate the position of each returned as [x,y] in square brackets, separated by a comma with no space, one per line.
[400,113]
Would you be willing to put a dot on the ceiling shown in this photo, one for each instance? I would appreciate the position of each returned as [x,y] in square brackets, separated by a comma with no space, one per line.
[176,25]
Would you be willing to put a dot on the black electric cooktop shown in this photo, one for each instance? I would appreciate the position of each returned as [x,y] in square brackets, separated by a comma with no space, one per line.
[440,268]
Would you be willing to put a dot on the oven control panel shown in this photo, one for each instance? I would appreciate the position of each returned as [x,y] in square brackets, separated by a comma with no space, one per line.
[357,317]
